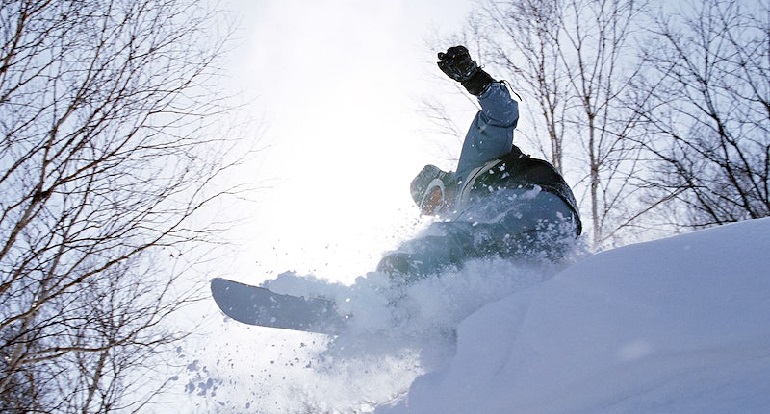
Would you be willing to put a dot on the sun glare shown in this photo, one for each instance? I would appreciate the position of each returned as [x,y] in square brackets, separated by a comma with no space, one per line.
[344,131]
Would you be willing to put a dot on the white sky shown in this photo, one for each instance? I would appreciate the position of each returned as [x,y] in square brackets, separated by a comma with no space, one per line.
[338,85]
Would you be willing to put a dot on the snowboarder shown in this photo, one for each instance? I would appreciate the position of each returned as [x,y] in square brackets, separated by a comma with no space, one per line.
[498,202]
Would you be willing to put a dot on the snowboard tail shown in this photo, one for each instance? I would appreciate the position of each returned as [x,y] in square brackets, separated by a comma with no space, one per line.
[258,306]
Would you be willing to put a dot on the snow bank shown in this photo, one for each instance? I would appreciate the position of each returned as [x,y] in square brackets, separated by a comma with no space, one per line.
[240,368]
[675,325]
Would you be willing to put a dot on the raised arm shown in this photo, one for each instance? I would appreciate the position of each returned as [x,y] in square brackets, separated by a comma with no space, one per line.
[491,134]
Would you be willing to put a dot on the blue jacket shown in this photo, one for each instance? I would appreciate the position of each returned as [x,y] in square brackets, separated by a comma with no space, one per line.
[499,202]
[491,134]
[489,162]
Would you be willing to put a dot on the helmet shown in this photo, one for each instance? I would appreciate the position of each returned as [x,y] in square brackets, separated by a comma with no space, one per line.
[429,190]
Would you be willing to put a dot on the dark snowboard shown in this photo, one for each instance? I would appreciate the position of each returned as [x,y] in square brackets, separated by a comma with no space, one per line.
[254,305]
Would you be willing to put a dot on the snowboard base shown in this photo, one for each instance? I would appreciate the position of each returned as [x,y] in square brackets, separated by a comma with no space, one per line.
[258,306]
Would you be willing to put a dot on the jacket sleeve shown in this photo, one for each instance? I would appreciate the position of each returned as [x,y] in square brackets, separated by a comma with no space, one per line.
[491,133]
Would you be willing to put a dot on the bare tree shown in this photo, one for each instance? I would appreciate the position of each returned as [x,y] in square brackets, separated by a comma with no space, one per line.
[525,40]
[102,165]
[575,59]
[707,99]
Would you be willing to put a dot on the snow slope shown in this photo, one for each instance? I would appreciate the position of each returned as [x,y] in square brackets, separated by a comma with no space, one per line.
[679,325]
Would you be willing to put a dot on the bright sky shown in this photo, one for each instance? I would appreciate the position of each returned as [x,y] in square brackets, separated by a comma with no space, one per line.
[339,85]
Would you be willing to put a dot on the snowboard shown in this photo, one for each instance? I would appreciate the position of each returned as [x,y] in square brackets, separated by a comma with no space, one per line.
[258,306]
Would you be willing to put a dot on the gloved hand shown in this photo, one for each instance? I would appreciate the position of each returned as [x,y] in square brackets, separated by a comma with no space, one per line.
[459,66]
[457,63]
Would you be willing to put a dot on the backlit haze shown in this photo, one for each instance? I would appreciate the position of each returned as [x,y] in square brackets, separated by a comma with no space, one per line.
[338,86]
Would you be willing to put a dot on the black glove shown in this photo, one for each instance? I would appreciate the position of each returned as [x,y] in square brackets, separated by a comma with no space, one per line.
[457,63]
[459,66]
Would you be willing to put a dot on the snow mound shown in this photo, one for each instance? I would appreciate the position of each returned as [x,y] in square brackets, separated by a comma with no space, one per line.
[397,333]
[675,325]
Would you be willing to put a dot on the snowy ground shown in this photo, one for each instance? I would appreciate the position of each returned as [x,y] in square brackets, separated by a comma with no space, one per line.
[675,325]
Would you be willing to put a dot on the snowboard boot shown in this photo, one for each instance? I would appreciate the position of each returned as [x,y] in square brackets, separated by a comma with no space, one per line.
[402,268]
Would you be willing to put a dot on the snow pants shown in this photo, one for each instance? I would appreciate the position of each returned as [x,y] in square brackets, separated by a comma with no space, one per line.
[514,223]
